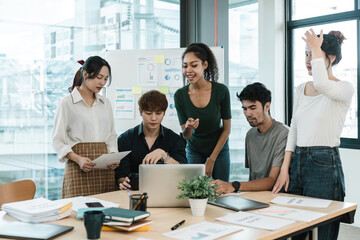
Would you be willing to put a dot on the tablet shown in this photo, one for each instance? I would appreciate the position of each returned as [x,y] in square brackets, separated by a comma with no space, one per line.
[237,203]
[24,230]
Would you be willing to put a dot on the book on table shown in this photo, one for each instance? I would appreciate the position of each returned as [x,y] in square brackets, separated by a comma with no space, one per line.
[140,225]
[125,215]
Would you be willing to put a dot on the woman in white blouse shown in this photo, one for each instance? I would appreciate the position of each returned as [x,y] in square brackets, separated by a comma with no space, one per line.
[84,129]
[319,111]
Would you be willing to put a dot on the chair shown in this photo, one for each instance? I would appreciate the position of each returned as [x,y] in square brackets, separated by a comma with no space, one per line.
[17,191]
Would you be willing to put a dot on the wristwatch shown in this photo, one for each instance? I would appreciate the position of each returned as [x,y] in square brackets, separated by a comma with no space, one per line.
[236,185]
[167,158]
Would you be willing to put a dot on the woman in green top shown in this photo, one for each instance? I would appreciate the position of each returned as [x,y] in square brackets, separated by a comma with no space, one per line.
[203,108]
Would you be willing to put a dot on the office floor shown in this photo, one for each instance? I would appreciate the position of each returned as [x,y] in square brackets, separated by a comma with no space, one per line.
[348,232]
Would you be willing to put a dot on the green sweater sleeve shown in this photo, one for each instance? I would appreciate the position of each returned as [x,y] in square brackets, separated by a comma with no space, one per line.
[179,105]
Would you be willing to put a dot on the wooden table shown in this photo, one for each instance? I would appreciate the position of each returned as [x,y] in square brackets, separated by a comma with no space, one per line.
[164,218]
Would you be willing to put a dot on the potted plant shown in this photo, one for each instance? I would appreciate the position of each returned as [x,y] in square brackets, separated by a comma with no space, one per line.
[199,190]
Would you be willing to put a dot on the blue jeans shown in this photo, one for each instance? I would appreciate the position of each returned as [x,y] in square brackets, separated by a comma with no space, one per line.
[222,163]
[317,172]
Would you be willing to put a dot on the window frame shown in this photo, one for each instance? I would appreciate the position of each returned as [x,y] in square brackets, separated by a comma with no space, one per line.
[350,143]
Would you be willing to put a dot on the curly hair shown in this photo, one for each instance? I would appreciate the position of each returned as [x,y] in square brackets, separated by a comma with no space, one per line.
[153,101]
[204,53]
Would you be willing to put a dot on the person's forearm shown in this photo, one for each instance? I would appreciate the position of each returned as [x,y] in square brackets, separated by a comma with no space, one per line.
[264,184]
[287,160]
[172,161]
[187,133]
[73,156]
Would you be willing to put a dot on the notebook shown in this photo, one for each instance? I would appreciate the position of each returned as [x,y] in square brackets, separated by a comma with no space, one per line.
[125,215]
[22,230]
[160,182]
[237,203]
[132,227]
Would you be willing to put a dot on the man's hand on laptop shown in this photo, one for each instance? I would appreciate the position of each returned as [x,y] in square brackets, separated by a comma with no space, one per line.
[125,184]
[223,187]
[154,156]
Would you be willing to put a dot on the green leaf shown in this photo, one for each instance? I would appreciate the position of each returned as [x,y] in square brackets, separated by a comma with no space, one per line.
[198,187]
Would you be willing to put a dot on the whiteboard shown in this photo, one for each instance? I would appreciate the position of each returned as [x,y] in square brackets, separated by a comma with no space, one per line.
[135,72]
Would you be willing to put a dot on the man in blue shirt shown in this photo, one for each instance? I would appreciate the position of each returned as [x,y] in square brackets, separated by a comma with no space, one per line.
[149,142]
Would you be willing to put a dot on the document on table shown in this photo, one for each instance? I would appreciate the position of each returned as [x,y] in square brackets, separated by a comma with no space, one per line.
[204,231]
[302,202]
[105,159]
[291,213]
[255,220]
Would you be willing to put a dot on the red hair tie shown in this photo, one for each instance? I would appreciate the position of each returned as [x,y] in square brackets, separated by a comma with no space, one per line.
[81,62]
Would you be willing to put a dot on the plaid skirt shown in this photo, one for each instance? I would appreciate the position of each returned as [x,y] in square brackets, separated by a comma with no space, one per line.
[79,183]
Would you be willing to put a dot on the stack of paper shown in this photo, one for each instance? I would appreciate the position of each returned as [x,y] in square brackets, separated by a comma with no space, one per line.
[37,210]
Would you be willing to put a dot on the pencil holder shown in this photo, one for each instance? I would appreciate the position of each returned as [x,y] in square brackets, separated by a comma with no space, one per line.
[136,203]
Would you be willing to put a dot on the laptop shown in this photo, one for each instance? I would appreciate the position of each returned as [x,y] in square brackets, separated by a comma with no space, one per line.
[237,203]
[160,182]
[25,230]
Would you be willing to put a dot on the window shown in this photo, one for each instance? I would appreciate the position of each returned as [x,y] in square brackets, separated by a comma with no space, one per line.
[39,67]
[347,69]
[243,70]
[309,8]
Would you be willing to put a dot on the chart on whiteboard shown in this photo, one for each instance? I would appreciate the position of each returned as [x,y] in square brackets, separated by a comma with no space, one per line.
[159,70]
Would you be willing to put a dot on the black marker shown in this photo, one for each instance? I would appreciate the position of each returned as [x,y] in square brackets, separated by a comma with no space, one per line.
[177,225]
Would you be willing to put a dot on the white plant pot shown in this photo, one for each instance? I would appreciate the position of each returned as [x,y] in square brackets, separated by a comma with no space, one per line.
[198,206]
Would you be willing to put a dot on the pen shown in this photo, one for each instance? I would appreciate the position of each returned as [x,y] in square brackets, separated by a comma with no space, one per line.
[139,201]
[177,225]
[128,191]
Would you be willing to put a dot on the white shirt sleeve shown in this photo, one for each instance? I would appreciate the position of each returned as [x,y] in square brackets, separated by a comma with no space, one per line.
[59,132]
[112,141]
[341,91]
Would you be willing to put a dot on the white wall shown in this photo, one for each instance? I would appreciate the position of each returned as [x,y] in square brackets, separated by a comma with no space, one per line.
[272,53]
[272,74]
[351,166]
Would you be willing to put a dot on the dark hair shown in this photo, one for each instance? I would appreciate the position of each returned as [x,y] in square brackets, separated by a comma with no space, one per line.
[204,53]
[255,92]
[153,101]
[332,45]
[92,66]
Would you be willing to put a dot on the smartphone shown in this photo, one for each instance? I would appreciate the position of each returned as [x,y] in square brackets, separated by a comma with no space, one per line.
[94,204]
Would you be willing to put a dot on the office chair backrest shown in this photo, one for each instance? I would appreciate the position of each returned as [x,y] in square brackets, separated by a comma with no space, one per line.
[17,191]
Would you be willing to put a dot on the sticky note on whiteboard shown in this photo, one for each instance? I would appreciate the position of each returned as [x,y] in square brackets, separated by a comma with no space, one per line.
[164,89]
[136,90]
[159,58]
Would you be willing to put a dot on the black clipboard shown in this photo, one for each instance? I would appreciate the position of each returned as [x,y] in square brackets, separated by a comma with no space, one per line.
[237,203]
